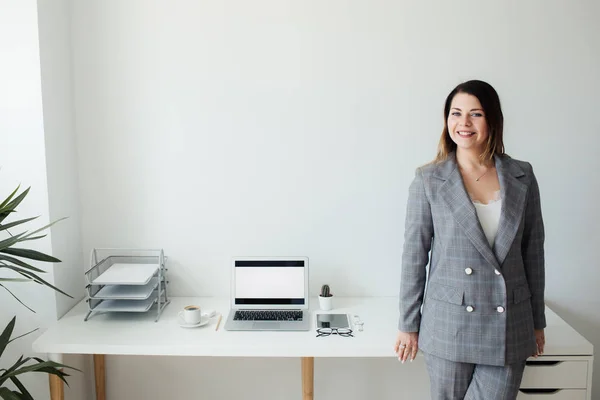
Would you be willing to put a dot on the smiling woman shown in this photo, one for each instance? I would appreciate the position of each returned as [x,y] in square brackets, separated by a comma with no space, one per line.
[466,122]
[473,108]
[482,315]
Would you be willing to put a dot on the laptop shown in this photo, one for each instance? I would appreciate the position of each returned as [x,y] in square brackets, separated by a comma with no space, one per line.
[269,294]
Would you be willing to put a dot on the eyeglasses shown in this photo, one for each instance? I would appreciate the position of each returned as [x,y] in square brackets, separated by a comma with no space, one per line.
[345,332]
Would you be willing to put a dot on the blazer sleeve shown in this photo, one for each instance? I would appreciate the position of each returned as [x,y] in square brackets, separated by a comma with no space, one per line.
[418,234]
[533,252]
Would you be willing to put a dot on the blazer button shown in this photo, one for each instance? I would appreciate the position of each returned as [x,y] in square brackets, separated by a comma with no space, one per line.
[497,272]
[468,271]
[470,309]
[500,309]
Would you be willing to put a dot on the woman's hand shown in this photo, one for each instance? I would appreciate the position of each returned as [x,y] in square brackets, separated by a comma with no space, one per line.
[540,341]
[406,346]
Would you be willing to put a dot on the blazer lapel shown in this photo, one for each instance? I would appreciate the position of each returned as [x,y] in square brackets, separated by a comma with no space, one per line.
[513,193]
[453,192]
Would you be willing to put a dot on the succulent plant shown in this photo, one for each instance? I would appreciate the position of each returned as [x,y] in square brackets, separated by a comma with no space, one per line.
[325,291]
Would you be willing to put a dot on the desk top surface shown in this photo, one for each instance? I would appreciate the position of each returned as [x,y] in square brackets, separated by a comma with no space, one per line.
[138,334]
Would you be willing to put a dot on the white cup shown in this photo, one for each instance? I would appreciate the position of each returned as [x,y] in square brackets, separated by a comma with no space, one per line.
[191,315]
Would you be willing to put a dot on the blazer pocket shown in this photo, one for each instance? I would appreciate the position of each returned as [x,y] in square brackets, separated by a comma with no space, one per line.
[448,294]
[521,293]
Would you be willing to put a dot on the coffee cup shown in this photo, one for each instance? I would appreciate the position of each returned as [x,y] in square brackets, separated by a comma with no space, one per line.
[191,315]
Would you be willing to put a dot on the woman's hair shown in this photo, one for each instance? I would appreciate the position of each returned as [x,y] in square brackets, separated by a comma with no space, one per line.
[490,102]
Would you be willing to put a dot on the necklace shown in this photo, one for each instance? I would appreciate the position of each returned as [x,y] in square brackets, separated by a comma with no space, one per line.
[477,180]
[480,176]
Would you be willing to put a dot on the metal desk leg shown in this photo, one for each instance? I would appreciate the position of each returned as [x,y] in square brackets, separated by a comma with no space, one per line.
[308,375]
[99,376]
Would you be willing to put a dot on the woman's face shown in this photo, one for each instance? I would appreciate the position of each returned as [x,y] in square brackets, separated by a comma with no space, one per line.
[467,125]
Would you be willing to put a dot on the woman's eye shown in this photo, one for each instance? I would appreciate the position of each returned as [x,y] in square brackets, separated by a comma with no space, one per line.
[456,114]
[477,115]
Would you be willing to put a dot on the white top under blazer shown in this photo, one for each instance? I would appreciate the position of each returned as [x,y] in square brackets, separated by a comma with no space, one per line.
[489,217]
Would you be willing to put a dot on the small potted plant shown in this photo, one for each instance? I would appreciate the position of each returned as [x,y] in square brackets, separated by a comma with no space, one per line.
[325,298]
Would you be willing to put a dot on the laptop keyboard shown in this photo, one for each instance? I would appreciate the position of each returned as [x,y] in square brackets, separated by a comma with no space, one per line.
[268,315]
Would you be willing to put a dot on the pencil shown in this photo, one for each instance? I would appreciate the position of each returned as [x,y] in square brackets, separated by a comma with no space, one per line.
[219,322]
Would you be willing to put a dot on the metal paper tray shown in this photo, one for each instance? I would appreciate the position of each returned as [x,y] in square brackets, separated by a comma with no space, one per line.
[126,280]
[123,305]
[123,270]
[126,292]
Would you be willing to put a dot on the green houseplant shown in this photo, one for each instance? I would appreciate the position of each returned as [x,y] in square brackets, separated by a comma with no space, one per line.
[16,259]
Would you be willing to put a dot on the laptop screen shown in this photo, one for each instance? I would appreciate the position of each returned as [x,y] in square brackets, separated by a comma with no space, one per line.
[269,282]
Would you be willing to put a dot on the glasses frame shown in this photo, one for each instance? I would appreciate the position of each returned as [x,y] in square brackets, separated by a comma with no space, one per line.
[324,332]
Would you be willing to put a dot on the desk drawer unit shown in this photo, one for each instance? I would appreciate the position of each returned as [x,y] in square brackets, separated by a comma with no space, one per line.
[557,378]
[545,374]
[549,394]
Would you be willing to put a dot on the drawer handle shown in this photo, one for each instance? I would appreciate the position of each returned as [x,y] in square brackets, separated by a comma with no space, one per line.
[540,391]
[543,363]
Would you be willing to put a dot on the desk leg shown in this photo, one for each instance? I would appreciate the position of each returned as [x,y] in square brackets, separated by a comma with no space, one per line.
[308,375]
[57,388]
[100,377]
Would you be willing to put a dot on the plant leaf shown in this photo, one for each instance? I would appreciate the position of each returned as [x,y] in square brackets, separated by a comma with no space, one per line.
[15,280]
[14,367]
[33,238]
[10,207]
[13,203]
[58,365]
[5,202]
[19,300]
[20,263]
[25,394]
[5,214]
[31,254]
[49,367]
[6,394]
[5,336]
[45,227]
[15,223]
[36,278]
[6,243]
[25,334]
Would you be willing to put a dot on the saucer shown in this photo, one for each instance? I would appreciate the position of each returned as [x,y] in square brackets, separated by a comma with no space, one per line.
[203,321]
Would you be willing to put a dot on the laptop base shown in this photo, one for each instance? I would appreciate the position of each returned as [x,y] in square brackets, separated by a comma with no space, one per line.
[233,325]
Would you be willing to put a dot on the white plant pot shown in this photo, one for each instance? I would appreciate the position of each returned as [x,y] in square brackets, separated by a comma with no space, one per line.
[326,303]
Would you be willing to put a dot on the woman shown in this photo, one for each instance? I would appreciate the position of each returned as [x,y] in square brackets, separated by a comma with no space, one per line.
[477,212]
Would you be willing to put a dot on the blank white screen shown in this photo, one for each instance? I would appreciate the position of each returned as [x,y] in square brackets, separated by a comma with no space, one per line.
[269,282]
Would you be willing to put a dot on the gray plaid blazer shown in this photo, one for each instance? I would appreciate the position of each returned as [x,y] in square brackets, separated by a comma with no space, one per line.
[477,304]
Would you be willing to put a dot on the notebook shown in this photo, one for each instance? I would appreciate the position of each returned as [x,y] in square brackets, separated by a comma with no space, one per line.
[269,294]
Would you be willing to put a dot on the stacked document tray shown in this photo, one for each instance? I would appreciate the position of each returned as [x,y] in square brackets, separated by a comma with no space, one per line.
[126,280]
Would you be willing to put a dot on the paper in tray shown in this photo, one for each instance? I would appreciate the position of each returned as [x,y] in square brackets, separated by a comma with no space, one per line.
[126,305]
[127,292]
[127,274]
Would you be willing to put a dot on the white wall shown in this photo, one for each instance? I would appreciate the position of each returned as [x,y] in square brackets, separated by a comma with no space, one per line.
[54,23]
[22,161]
[277,127]
[38,150]
[63,192]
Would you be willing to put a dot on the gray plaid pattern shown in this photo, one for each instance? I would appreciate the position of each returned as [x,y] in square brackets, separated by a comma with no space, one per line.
[443,230]
[457,381]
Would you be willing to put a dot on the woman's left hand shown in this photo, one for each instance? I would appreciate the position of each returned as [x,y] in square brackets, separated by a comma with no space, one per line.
[540,341]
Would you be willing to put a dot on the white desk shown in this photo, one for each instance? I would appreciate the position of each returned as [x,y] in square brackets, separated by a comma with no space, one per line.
[138,334]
